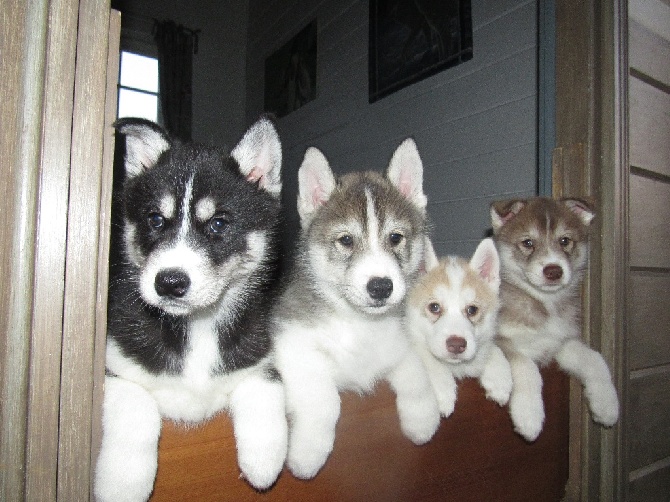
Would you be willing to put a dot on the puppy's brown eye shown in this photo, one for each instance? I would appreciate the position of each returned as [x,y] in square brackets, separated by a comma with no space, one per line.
[346,240]
[434,308]
[471,310]
[565,241]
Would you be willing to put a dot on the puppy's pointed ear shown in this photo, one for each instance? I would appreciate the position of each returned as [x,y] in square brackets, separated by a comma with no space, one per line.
[259,156]
[430,260]
[503,211]
[316,183]
[581,208]
[486,262]
[145,142]
[405,171]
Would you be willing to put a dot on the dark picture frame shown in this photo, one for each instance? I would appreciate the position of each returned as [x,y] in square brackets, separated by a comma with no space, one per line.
[411,40]
[290,73]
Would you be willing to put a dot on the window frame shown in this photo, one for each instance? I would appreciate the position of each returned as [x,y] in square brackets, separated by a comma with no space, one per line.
[120,86]
[137,38]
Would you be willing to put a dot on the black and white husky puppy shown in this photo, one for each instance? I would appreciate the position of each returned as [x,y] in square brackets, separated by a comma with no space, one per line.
[188,331]
[340,319]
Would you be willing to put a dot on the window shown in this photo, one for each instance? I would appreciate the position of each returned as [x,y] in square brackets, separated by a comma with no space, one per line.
[138,86]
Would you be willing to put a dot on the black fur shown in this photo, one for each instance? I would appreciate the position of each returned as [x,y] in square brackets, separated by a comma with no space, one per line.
[156,339]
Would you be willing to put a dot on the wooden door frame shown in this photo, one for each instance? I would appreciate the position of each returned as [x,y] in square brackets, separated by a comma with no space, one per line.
[591,158]
[56,144]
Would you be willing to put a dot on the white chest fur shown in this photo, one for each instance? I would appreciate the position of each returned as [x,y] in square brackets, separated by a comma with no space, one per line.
[541,343]
[359,351]
[196,393]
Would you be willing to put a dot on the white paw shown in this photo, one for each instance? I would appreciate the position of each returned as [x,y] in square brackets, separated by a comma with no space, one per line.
[262,462]
[446,405]
[261,430]
[498,392]
[419,419]
[128,481]
[527,412]
[498,385]
[604,403]
[443,385]
[128,458]
[307,454]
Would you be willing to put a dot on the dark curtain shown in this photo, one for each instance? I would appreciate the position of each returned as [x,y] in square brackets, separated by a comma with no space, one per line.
[176,46]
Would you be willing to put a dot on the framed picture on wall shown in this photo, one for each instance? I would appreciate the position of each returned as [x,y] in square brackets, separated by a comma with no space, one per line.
[414,39]
[290,73]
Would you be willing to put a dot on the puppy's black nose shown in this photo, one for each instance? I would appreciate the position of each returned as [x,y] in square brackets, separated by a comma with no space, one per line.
[380,288]
[172,282]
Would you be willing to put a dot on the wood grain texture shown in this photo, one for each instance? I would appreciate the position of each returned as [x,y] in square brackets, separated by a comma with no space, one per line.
[79,310]
[106,185]
[51,232]
[24,62]
[474,456]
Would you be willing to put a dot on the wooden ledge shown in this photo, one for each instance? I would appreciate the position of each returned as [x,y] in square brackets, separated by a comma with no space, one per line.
[475,456]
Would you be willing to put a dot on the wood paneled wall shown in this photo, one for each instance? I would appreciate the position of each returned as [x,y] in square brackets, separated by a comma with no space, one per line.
[475,124]
[648,331]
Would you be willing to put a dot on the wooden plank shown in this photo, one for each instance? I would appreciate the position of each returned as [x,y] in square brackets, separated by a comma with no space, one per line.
[649,222]
[590,108]
[19,150]
[51,232]
[105,230]
[469,459]
[649,127]
[652,14]
[74,455]
[652,487]
[569,167]
[649,401]
[649,320]
[649,53]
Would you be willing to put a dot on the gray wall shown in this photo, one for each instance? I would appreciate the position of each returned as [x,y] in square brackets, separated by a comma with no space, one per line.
[218,68]
[475,124]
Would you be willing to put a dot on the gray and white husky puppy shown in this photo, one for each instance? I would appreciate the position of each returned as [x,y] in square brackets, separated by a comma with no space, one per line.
[340,320]
[543,246]
[188,304]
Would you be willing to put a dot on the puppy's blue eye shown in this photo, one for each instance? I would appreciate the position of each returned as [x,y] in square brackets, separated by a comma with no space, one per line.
[346,240]
[395,238]
[527,243]
[155,220]
[434,308]
[218,224]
